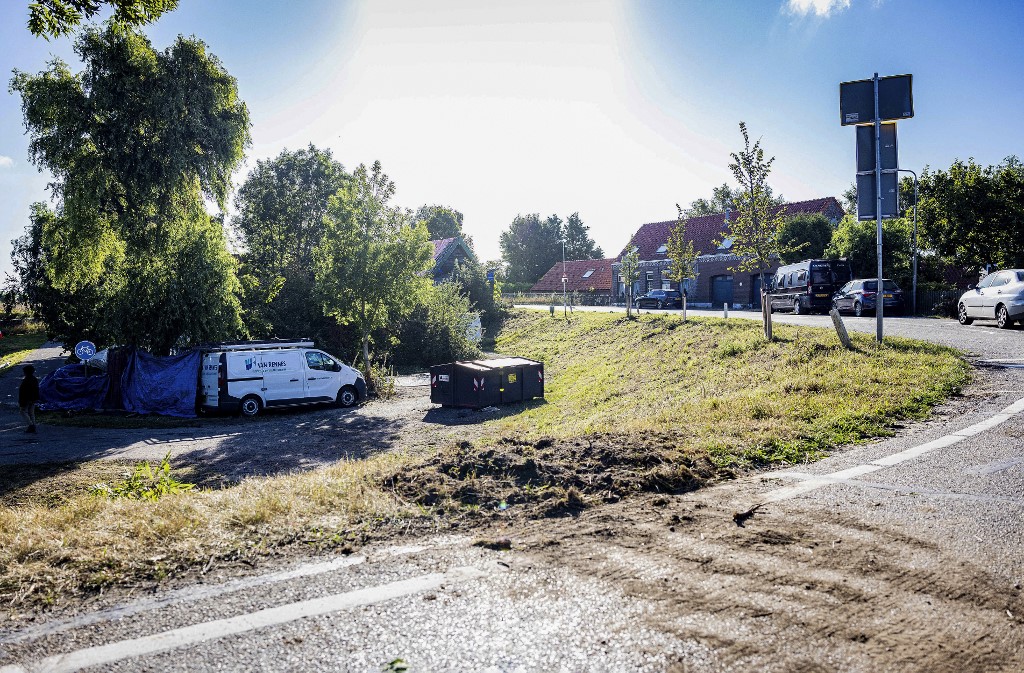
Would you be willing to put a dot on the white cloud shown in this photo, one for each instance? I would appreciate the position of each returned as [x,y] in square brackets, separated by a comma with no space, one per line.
[6,162]
[822,8]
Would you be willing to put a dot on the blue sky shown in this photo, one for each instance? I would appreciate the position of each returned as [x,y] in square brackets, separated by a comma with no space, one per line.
[614,109]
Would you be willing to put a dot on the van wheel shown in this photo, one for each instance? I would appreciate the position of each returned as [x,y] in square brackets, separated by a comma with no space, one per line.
[1003,318]
[796,307]
[251,406]
[347,396]
[961,315]
[858,310]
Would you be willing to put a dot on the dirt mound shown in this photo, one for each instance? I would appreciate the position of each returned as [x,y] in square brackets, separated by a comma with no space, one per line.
[552,477]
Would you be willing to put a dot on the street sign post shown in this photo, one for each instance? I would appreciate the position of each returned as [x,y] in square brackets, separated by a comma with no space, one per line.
[867,103]
[84,350]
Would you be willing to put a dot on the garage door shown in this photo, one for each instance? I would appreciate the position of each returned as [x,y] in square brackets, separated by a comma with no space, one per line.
[721,290]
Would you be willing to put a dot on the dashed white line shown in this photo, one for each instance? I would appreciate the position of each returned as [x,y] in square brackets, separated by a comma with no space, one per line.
[814,482]
[199,633]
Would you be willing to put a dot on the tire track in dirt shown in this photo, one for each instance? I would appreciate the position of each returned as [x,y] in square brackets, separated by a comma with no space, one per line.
[794,590]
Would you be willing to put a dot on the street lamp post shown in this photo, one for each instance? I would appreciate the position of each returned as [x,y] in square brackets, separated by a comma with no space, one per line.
[913,296]
[565,282]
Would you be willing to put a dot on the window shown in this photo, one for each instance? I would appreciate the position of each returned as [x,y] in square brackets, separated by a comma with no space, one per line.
[313,360]
[987,281]
[589,273]
[662,250]
[650,279]
[726,244]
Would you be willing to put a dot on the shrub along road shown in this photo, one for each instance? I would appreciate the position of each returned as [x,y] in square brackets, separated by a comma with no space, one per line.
[903,554]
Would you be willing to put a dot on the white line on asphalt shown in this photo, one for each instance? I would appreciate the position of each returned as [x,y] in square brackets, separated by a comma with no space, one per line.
[210,591]
[221,628]
[815,482]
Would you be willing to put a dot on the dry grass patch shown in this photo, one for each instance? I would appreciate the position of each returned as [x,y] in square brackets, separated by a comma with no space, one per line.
[88,543]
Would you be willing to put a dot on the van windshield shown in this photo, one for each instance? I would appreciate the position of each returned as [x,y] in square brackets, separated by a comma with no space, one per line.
[836,275]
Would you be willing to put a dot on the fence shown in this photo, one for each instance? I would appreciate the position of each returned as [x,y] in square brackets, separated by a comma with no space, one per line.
[545,298]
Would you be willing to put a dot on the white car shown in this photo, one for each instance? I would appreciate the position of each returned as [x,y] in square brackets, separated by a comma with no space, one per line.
[999,296]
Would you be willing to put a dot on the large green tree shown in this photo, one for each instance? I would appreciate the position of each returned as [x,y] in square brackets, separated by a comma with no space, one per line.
[578,244]
[804,236]
[531,246]
[974,215]
[856,240]
[137,142]
[442,221]
[722,198]
[371,264]
[53,18]
[279,223]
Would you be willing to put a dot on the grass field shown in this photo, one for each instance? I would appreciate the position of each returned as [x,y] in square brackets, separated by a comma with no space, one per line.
[17,344]
[650,404]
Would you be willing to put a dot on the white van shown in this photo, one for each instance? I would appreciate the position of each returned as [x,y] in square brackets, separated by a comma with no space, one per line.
[251,376]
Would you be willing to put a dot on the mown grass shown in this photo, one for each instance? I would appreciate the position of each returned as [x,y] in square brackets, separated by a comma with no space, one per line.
[719,386]
[651,404]
[17,343]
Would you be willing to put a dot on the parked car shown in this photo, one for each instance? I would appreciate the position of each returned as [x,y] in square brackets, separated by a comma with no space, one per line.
[808,286]
[999,296]
[660,299]
[861,296]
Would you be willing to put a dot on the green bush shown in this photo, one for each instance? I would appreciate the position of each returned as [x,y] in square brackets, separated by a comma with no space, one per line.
[437,329]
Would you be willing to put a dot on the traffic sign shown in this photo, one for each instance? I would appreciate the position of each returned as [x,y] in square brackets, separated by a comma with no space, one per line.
[857,100]
[866,148]
[85,350]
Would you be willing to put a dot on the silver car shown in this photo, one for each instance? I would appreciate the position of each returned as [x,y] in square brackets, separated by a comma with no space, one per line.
[999,296]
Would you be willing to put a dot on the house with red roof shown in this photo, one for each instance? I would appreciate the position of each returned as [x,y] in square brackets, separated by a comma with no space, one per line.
[447,253]
[717,281]
[589,278]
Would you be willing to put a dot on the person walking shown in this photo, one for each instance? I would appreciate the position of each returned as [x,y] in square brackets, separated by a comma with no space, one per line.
[28,397]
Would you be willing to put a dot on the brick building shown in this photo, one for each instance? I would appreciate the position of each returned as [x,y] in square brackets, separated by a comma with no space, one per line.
[591,279]
[716,281]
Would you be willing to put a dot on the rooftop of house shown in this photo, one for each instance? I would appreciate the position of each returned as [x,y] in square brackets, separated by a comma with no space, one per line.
[704,231]
[444,247]
[584,275]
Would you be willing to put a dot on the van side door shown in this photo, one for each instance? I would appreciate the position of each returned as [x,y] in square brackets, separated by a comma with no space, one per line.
[282,376]
[321,374]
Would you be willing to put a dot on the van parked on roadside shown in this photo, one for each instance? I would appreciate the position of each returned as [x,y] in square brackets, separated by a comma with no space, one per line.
[251,376]
[808,286]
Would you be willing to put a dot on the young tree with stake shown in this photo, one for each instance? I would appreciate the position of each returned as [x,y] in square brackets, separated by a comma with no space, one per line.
[759,216]
[681,254]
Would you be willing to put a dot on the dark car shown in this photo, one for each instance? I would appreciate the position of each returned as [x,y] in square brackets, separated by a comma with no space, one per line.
[861,296]
[808,286]
[659,299]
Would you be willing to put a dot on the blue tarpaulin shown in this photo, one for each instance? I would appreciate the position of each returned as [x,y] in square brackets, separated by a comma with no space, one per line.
[155,385]
[69,389]
[148,385]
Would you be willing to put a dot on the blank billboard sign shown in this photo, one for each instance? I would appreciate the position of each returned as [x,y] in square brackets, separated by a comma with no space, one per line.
[857,100]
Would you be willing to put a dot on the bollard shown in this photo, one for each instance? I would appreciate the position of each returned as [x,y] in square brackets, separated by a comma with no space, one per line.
[725,310]
[844,337]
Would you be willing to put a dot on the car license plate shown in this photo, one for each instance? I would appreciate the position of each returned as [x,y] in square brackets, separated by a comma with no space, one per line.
[821,295]
[887,296]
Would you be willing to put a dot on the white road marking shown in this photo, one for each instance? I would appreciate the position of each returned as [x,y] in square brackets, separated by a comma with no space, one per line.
[221,628]
[814,482]
[204,592]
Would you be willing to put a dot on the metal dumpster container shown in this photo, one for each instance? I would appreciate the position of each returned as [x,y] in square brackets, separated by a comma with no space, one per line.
[481,383]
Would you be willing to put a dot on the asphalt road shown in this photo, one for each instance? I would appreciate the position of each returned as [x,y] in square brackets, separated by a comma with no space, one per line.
[906,554]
